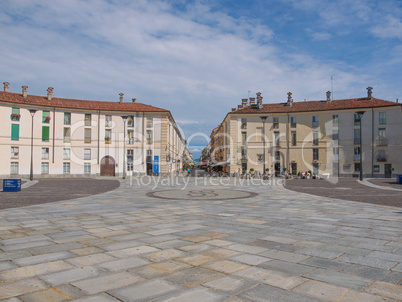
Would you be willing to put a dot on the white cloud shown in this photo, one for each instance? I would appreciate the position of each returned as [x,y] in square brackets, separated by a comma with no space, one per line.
[391,28]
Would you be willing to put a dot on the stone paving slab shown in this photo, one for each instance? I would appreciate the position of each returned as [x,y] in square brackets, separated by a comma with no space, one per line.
[274,245]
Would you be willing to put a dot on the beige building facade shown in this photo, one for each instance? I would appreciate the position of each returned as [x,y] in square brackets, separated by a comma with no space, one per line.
[86,138]
[318,136]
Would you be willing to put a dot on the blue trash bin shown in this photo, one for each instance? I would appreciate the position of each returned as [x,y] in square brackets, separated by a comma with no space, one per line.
[399,179]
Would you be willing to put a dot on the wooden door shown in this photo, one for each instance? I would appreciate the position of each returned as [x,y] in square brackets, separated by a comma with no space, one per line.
[107,166]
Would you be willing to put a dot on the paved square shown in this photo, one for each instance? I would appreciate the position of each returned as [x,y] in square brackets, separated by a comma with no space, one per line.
[220,242]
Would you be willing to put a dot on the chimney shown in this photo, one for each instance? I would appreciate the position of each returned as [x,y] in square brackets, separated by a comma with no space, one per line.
[121,97]
[6,85]
[244,102]
[134,99]
[259,100]
[290,100]
[233,109]
[252,101]
[50,93]
[24,91]
[239,106]
[328,96]
[370,92]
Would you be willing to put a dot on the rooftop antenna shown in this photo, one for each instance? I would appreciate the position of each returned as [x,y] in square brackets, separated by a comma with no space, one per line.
[332,89]
[248,93]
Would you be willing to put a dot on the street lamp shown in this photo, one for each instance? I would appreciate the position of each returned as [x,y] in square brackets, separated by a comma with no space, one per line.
[124,117]
[263,119]
[32,112]
[360,116]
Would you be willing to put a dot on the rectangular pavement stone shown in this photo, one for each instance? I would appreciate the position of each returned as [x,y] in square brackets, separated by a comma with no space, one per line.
[287,267]
[42,258]
[106,283]
[285,256]
[194,276]
[144,291]
[8,290]
[385,289]
[342,279]
[368,261]
[123,264]
[69,276]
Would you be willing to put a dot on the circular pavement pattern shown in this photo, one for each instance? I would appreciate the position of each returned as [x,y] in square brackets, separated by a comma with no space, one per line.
[201,194]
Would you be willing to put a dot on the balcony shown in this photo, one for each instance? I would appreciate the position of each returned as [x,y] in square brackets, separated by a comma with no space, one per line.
[108,140]
[130,141]
[149,141]
[244,126]
[108,124]
[381,141]
[356,157]
[382,158]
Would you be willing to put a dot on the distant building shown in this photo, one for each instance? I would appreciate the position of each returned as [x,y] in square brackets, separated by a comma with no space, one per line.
[77,137]
[317,136]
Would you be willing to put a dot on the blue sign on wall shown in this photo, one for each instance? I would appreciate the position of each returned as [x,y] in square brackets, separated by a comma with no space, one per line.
[156,164]
[11,185]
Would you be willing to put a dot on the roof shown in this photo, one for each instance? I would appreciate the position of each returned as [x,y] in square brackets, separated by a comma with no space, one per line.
[310,106]
[35,100]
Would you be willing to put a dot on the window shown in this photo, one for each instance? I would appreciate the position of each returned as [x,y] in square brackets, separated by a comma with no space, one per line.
[357,167]
[88,119]
[45,117]
[276,123]
[293,122]
[66,168]
[260,158]
[149,136]
[45,153]
[15,114]
[149,122]
[87,138]
[67,118]
[381,132]
[130,121]
[335,137]
[293,138]
[277,155]
[66,153]
[149,152]
[382,140]
[87,154]
[315,154]
[130,159]
[45,133]
[130,137]
[15,132]
[243,153]
[44,168]
[335,152]
[244,123]
[315,121]
[356,156]
[66,135]
[335,119]
[87,168]
[356,139]
[15,151]
[14,168]
[382,155]
[244,138]
[382,118]
[276,138]
[356,119]
[108,120]
[315,138]
[108,136]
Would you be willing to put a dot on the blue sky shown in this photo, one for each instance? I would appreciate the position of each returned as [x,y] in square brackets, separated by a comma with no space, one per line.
[199,58]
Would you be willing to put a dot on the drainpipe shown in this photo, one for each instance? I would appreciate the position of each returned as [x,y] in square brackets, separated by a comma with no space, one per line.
[287,145]
[98,134]
[54,127]
[372,140]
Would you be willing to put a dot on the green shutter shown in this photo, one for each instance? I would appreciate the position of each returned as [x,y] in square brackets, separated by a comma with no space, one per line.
[45,133]
[15,110]
[15,132]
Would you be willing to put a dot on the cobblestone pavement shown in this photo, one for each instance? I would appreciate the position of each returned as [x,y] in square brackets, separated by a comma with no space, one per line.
[368,191]
[276,245]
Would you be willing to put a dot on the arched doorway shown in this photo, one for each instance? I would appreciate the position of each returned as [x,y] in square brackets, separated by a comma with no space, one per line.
[108,165]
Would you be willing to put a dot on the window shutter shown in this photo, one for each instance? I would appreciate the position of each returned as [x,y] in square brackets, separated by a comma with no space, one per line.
[15,132]
[45,133]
